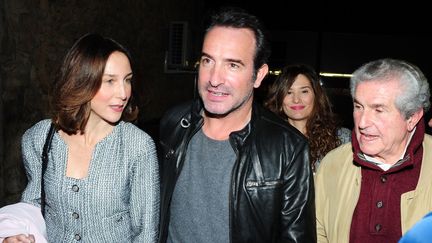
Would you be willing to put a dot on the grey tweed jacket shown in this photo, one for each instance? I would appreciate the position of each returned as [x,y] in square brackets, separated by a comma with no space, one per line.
[117,202]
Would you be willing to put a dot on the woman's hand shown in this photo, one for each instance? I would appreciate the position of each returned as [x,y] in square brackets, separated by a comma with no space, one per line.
[20,239]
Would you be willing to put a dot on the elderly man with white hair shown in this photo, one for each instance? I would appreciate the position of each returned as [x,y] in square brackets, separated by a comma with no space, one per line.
[376,187]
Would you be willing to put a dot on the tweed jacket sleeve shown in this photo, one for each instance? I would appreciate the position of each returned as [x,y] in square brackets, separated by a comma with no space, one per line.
[32,145]
[144,201]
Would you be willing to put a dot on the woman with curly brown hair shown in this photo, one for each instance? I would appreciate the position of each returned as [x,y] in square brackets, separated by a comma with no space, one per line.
[297,96]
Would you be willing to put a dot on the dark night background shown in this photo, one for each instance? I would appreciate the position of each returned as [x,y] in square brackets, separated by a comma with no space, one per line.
[332,37]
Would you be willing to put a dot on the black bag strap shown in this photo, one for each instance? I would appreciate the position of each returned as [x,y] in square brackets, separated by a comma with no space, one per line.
[46,148]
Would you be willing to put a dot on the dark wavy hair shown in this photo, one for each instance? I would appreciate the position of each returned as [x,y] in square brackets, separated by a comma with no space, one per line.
[80,78]
[322,125]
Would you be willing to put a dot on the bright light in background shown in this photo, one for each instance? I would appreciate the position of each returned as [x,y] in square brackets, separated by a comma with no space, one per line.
[324,74]
[275,72]
[336,75]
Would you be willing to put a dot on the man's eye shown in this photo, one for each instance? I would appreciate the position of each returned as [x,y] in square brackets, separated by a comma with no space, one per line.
[234,65]
[205,60]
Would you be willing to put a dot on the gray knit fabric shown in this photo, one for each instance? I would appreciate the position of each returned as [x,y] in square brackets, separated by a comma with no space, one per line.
[117,202]
[344,135]
[200,204]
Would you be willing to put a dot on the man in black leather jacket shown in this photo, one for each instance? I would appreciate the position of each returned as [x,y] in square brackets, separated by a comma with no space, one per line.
[232,171]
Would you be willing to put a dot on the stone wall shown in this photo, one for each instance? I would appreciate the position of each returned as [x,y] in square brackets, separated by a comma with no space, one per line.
[34,37]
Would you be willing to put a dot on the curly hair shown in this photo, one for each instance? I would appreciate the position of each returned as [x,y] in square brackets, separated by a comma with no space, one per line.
[322,125]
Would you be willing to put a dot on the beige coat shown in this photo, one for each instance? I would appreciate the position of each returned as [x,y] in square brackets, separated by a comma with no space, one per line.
[337,189]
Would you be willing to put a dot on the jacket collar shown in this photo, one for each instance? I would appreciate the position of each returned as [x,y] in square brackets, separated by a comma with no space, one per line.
[238,137]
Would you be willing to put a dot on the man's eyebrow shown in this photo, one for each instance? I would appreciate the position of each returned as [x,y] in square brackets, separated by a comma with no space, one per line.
[235,61]
[203,54]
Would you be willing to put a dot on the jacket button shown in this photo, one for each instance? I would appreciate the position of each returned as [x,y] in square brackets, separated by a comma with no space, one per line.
[383,179]
[77,237]
[75,188]
[75,215]
[379,204]
[378,227]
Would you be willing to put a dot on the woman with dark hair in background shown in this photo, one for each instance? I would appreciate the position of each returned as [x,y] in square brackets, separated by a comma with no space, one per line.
[297,96]
[101,181]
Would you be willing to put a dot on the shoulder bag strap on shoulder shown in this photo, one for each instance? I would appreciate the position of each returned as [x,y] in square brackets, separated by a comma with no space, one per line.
[46,148]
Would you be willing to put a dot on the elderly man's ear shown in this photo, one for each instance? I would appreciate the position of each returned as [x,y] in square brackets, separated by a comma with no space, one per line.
[430,122]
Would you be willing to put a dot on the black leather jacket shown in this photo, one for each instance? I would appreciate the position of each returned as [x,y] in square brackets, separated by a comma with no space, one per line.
[272,193]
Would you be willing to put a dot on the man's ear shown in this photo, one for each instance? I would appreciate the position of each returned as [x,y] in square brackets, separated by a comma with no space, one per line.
[262,72]
[414,119]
